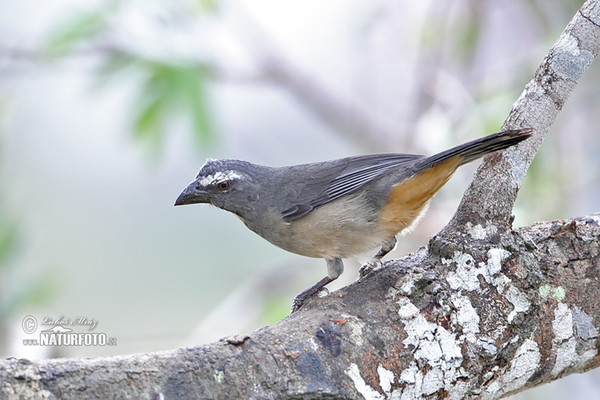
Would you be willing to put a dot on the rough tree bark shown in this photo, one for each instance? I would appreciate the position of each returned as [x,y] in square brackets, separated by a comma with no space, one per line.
[481,312]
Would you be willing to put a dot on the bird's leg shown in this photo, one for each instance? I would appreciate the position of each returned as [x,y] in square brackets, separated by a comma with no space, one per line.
[311,291]
[335,267]
[369,266]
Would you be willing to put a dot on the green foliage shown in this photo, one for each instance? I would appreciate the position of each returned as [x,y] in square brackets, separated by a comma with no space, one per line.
[207,5]
[72,33]
[14,295]
[31,292]
[168,88]
[469,34]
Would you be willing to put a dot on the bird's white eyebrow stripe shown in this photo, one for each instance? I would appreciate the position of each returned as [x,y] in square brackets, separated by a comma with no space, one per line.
[218,177]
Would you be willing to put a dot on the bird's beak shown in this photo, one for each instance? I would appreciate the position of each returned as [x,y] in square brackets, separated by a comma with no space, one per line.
[192,194]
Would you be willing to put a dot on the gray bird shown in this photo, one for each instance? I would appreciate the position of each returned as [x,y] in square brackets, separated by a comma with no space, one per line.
[335,209]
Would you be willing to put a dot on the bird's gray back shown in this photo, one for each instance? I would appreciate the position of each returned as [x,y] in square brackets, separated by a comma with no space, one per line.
[309,186]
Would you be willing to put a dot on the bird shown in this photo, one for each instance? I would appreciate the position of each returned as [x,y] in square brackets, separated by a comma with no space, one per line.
[340,208]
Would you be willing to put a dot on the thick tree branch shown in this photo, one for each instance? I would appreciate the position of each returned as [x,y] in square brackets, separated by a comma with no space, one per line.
[478,324]
[482,312]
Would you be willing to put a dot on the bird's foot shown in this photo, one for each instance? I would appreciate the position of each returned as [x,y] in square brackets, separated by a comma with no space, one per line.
[369,267]
[310,292]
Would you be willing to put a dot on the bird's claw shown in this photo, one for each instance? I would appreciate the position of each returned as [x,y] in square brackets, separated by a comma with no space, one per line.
[302,297]
[369,267]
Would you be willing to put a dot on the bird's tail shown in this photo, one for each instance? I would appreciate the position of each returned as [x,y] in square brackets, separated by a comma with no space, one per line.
[478,148]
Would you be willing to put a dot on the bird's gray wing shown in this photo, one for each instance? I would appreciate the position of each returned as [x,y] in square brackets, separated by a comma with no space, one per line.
[322,183]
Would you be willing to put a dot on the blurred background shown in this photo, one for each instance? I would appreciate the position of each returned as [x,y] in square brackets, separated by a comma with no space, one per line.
[109,108]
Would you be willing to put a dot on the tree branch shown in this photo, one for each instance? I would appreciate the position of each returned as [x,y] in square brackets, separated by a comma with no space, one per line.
[481,324]
[484,311]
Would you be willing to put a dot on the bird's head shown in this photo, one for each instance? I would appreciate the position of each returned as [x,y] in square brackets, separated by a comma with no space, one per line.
[231,185]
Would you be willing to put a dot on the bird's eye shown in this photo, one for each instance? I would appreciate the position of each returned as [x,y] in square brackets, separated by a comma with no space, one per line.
[223,185]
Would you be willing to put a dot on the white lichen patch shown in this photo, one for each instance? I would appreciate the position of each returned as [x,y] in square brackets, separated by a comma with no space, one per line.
[314,346]
[416,384]
[356,336]
[411,375]
[407,310]
[451,351]
[562,325]
[518,300]
[566,355]
[524,364]
[433,380]
[432,343]
[466,273]
[564,344]
[421,336]
[584,358]
[569,60]
[386,379]
[584,324]
[569,325]
[440,349]
[459,390]
[487,344]
[466,316]
[361,386]
[407,285]
[407,288]
[495,258]
[479,232]
[465,277]
[517,166]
